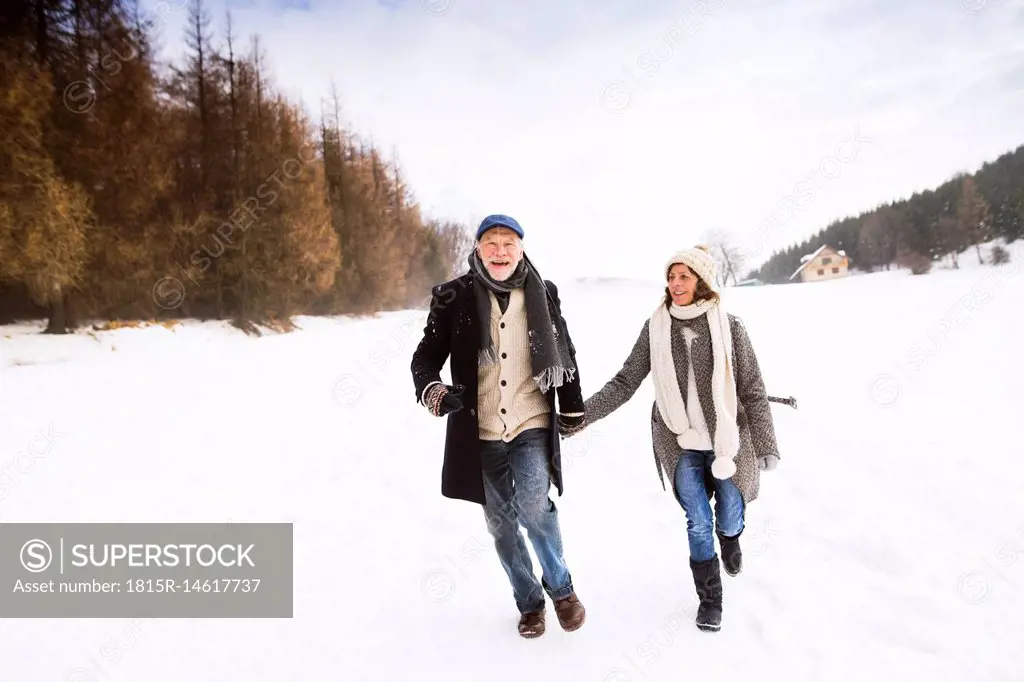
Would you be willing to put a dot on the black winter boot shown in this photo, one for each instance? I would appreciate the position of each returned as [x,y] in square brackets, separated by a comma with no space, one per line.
[732,557]
[708,581]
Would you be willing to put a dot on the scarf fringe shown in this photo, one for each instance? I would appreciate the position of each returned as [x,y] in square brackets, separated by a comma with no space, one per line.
[554,377]
[488,356]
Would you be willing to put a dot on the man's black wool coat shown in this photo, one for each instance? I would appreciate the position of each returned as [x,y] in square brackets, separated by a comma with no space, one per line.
[452,332]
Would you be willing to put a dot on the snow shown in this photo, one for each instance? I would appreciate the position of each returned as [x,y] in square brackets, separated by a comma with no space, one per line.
[885,543]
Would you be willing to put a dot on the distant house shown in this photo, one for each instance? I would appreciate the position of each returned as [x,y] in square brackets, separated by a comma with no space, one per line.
[825,263]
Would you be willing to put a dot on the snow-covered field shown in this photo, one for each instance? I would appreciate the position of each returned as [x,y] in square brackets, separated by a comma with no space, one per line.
[886,544]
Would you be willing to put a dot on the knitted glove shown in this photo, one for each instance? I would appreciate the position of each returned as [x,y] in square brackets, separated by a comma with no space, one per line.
[768,462]
[569,426]
[442,399]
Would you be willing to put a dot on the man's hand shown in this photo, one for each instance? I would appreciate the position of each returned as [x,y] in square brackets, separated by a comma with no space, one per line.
[570,425]
[768,462]
[442,399]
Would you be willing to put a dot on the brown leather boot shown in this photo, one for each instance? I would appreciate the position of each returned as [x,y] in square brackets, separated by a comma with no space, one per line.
[532,624]
[571,613]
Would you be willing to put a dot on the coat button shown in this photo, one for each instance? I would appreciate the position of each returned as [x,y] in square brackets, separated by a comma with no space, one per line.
[503,410]
[503,382]
[502,325]
[504,355]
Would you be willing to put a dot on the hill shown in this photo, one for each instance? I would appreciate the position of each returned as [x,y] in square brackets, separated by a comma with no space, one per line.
[885,540]
[946,222]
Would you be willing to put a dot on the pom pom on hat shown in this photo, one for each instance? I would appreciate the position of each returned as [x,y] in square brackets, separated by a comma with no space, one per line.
[698,259]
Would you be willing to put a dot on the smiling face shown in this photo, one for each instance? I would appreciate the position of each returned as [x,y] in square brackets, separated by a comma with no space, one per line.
[500,249]
[682,284]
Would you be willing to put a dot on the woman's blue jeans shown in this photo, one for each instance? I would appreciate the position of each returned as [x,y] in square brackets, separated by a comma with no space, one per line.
[693,496]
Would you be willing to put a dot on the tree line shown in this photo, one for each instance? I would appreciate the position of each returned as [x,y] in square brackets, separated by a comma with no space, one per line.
[950,221]
[135,189]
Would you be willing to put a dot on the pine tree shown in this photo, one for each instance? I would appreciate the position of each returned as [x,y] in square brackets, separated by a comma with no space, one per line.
[207,184]
[972,217]
[44,221]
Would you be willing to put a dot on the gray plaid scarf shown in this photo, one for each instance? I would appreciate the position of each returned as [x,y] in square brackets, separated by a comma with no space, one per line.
[550,360]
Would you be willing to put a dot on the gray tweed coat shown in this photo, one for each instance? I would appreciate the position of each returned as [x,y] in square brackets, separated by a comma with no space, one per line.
[756,430]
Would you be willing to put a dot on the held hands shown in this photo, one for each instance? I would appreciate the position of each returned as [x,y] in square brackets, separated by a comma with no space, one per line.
[767,462]
[569,426]
[442,399]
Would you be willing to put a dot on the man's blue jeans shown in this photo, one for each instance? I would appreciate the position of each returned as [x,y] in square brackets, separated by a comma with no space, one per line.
[693,496]
[516,483]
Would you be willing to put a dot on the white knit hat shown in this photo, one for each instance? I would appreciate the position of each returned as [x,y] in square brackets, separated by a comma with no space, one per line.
[697,259]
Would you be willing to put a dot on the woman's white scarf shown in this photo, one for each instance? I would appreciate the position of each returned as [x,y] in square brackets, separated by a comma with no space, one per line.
[666,384]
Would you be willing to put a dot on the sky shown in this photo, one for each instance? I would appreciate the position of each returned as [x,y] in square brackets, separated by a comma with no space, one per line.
[618,133]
